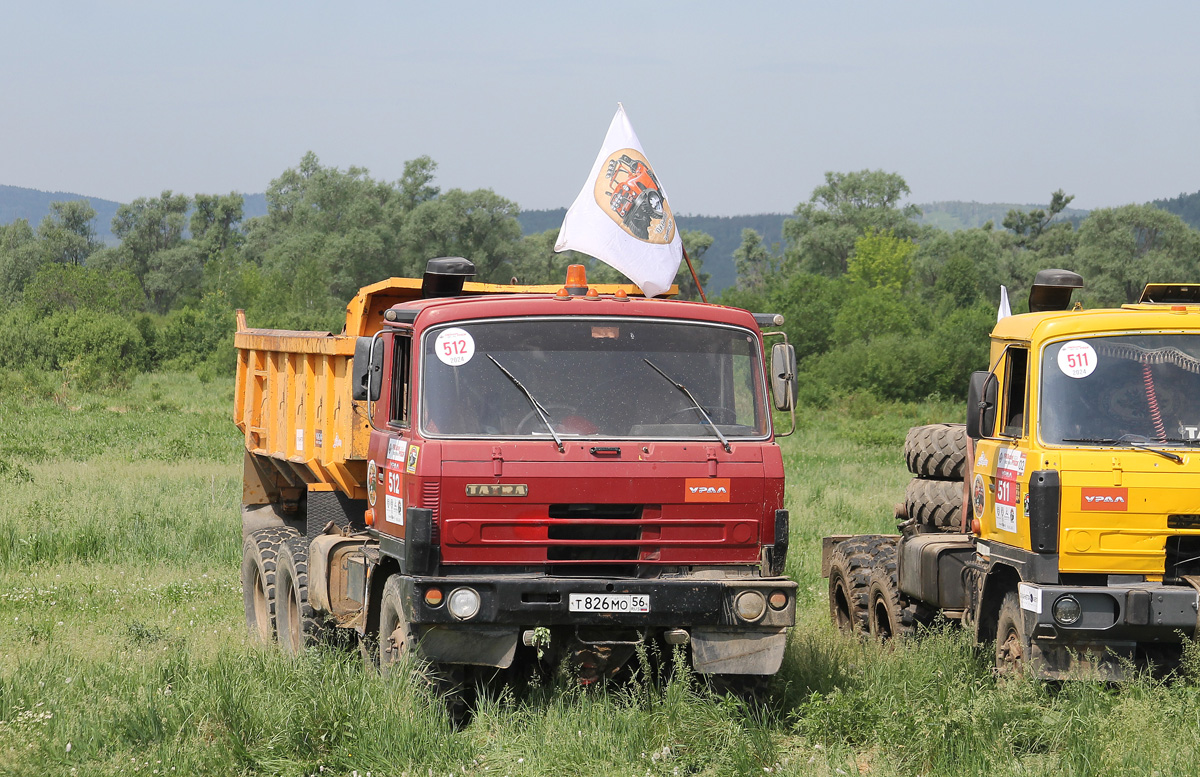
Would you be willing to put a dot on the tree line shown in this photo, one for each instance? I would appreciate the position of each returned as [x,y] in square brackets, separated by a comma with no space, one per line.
[874,301]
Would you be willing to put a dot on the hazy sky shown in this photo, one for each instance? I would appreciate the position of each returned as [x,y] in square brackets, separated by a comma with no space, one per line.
[741,108]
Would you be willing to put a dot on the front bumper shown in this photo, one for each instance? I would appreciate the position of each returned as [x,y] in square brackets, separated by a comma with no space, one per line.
[540,601]
[1145,612]
[1117,624]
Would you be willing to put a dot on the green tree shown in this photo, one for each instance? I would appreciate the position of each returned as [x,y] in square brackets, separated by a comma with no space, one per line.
[881,260]
[67,234]
[147,226]
[1123,249]
[20,258]
[697,244]
[820,235]
[416,184]
[754,262]
[1029,225]
[480,226]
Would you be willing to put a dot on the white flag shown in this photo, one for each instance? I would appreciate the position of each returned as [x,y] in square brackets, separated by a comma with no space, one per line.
[621,215]
[1005,311]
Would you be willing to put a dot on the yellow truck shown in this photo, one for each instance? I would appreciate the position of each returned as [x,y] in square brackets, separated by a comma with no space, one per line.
[1062,522]
[486,475]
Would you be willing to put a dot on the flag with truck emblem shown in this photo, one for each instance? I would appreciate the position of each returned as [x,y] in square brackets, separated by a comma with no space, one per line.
[621,216]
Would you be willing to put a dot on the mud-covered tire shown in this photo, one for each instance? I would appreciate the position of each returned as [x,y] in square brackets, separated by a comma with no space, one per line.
[751,689]
[935,504]
[1012,638]
[398,646]
[849,581]
[889,613]
[260,555]
[297,626]
[937,451]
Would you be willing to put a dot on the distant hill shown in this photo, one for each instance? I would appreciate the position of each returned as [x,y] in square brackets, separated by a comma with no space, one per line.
[954,215]
[1185,206]
[33,205]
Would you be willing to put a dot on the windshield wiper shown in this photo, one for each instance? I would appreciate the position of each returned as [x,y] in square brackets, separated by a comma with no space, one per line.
[695,405]
[1142,446]
[537,406]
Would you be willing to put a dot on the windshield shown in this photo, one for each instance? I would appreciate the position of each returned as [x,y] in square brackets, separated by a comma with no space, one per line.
[1122,389]
[591,378]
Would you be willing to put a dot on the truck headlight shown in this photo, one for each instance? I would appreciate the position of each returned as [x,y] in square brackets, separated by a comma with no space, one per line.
[1067,610]
[750,605]
[463,603]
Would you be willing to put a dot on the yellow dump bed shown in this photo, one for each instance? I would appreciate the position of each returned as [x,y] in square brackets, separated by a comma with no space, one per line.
[293,395]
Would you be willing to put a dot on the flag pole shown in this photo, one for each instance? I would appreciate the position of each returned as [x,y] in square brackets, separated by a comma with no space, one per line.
[695,278]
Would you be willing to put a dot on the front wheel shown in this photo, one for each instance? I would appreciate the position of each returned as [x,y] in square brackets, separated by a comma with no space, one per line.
[398,643]
[1012,638]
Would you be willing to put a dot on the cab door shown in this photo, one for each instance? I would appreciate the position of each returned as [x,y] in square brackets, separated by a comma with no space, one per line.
[1000,483]
[391,439]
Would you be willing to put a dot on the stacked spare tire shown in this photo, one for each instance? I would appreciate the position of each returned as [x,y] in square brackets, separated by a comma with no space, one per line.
[937,456]
[864,590]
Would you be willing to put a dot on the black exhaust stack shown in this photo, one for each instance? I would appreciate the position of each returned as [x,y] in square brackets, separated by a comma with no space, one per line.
[445,276]
[1052,290]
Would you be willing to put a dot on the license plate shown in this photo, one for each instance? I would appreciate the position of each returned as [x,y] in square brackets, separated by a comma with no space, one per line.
[609,602]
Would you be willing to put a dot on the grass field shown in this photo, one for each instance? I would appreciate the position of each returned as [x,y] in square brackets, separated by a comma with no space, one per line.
[122,646]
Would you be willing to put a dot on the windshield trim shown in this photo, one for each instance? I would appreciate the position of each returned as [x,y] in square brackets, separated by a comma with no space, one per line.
[434,328]
[1041,388]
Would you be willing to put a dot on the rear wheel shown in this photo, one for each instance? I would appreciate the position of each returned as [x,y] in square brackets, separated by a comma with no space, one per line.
[889,615]
[849,581]
[260,555]
[1012,638]
[296,624]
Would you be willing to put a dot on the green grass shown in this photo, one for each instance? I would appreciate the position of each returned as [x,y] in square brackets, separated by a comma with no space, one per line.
[121,636]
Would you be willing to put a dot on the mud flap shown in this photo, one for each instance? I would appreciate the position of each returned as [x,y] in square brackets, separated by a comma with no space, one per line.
[1105,662]
[716,651]
[481,646]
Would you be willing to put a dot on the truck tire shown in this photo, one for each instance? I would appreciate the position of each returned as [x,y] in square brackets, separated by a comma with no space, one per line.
[849,581]
[1012,638]
[397,645]
[889,613]
[935,504]
[260,553]
[296,624]
[937,451]
[751,689]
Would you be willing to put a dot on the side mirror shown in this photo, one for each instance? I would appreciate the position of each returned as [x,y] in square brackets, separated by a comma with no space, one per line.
[784,388]
[981,405]
[367,369]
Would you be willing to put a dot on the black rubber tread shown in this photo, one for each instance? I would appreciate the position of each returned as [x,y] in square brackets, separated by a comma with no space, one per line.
[937,451]
[889,615]
[260,555]
[322,507]
[752,689]
[292,589]
[1012,641]
[447,681]
[849,581]
[935,504]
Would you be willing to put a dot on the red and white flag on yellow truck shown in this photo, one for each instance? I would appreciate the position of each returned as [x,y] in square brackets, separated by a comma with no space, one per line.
[621,216]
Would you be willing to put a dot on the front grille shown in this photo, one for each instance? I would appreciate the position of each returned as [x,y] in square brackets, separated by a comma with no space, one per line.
[431,497]
[593,527]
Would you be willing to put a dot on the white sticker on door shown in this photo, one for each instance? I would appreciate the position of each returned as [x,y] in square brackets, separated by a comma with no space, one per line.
[395,509]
